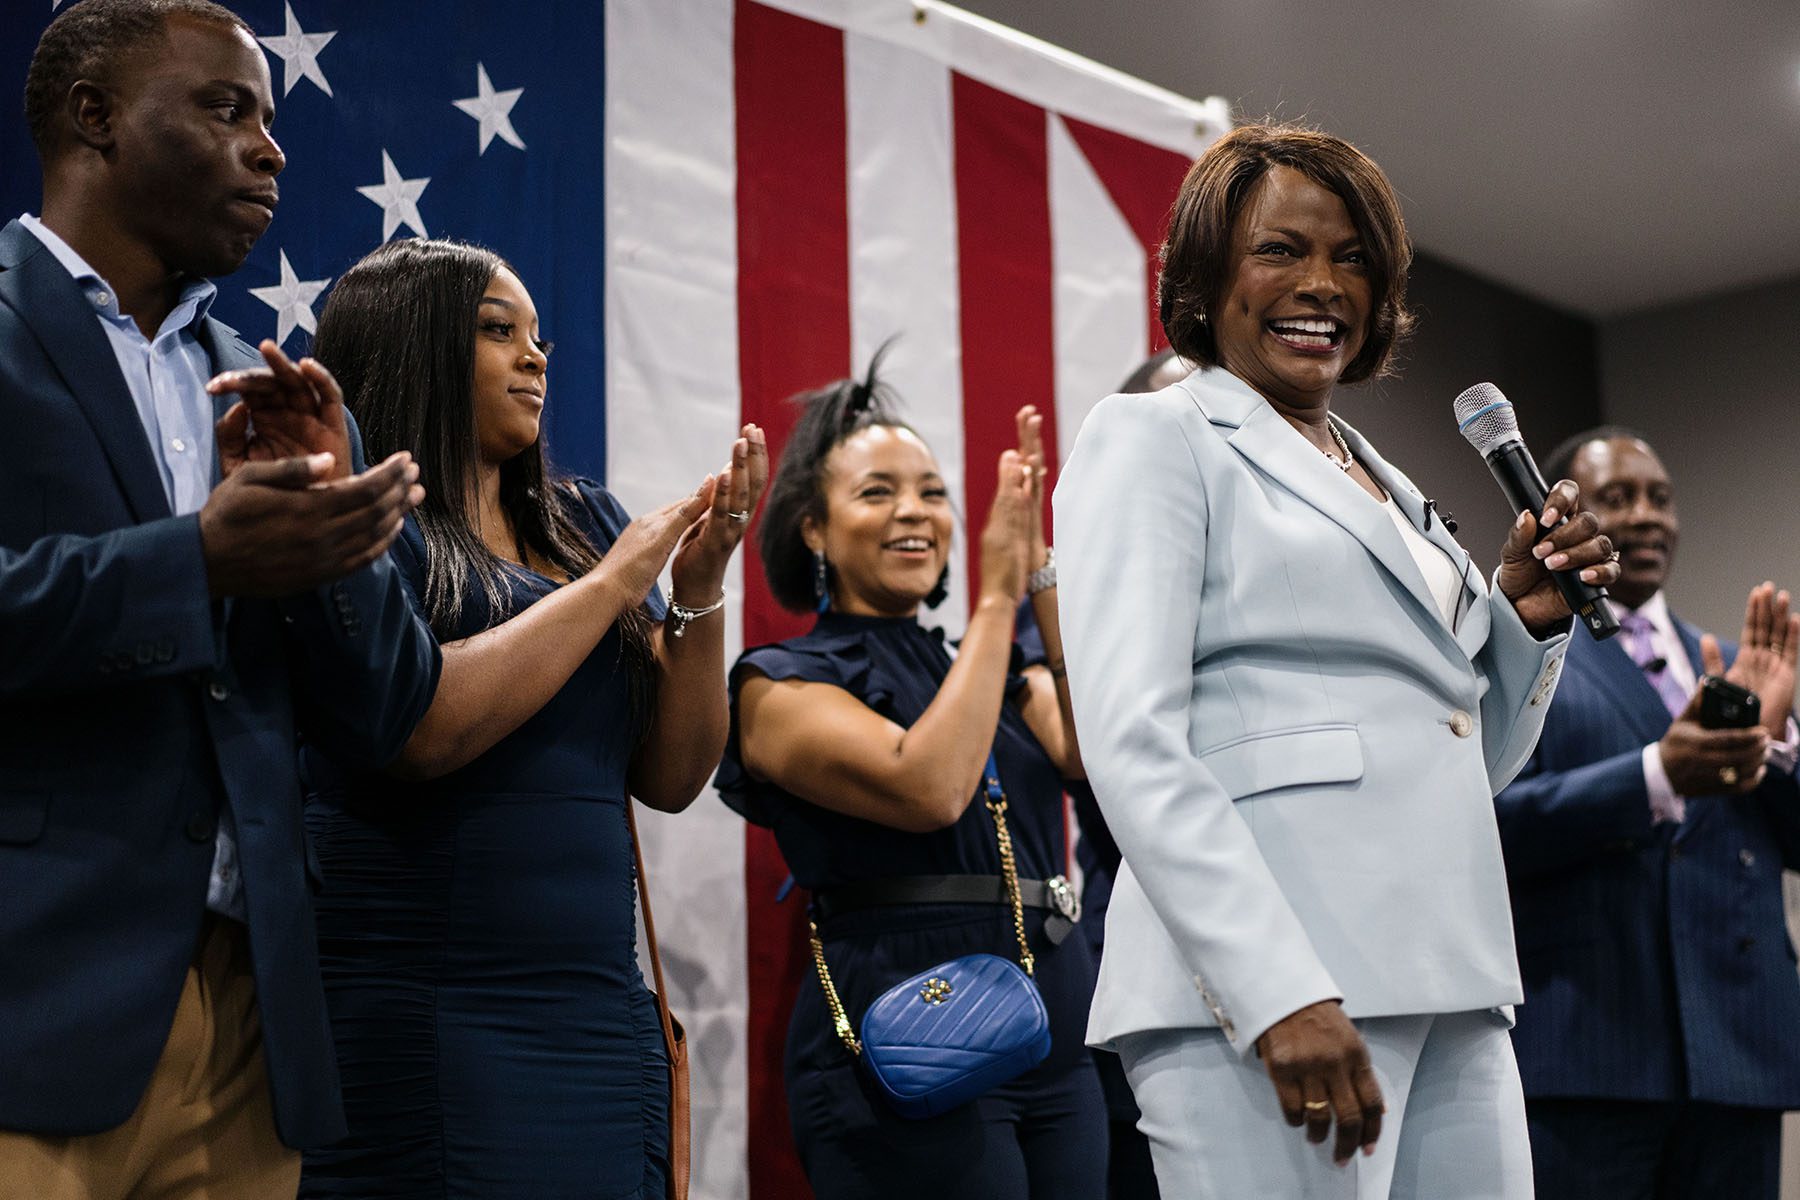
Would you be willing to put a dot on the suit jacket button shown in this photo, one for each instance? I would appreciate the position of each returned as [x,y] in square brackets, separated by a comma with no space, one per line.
[1747,857]
[1461,723]
[1746,944]
[200,828]
[217,690]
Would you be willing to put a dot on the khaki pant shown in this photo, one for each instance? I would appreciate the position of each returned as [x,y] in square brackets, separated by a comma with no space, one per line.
[205,1128]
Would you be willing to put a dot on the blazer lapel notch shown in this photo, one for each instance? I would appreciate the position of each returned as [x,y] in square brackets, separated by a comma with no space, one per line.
[1279,450]
[49,303]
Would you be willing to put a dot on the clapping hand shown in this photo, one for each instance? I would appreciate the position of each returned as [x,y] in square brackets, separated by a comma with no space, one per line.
[1031,451]
[1766,656]
[1006,540]
[698,573]
[287,410]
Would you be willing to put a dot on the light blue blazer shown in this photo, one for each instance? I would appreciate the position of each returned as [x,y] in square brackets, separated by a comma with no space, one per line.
[1296,753]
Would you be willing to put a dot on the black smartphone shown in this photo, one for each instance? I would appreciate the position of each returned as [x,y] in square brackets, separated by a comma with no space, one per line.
[1726,705]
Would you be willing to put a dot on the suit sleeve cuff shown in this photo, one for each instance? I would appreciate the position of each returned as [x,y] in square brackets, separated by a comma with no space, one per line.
[1665,805]
[1783,755]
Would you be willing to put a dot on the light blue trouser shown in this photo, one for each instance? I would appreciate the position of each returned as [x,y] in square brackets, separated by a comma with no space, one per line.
[1454,1128]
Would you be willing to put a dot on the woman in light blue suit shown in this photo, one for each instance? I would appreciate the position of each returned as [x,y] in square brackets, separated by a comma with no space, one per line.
[1296,697]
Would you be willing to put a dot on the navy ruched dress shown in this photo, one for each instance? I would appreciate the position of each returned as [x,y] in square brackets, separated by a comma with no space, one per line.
[1042,1136]
[478,938]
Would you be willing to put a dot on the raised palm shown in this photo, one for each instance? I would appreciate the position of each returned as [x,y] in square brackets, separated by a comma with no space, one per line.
[1766,656]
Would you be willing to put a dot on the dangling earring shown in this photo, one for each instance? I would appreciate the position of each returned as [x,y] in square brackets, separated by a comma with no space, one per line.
[939,590]
[821,582]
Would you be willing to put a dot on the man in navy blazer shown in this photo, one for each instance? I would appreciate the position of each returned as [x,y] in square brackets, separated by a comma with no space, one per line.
[165,631]
[1660,1036]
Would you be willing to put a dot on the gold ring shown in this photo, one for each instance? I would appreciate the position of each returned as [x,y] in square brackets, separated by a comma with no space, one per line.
[1728,776]
[1316,1105]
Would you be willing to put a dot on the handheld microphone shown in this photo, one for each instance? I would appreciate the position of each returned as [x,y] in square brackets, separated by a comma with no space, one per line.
[1487,420]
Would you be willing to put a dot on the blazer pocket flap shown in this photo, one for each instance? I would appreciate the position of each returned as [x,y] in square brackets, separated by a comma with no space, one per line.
[23,816]
[1262,762]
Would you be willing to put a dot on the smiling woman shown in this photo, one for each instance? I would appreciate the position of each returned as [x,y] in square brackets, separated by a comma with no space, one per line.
[862,744]
[1281,663]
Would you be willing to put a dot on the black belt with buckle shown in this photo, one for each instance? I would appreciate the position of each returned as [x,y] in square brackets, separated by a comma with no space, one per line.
[1053,895]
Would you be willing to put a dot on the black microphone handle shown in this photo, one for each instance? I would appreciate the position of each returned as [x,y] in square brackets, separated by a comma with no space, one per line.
[1526,491]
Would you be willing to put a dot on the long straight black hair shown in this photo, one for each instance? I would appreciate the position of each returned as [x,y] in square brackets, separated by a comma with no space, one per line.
[399,333]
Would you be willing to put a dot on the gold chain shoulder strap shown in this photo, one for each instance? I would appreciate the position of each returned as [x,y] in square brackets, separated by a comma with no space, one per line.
[1009,871]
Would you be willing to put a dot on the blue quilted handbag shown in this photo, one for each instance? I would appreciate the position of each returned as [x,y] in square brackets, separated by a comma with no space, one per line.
[950,1033]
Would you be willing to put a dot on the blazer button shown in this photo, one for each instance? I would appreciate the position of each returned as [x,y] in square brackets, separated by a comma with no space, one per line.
[1461,723]
[217,690]
[1746,944]
[200,828]
[1747,857]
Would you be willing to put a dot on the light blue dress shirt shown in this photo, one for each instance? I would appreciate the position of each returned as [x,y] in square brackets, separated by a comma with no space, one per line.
[167,376]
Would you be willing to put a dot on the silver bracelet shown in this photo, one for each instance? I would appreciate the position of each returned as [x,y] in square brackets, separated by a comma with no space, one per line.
[683,614]
[1044,578]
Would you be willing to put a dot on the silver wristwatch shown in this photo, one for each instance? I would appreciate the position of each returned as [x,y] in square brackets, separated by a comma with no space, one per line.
[1045,576]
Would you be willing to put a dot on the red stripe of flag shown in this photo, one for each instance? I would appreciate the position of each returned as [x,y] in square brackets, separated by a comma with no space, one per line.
[793,334]
[1002,167]
[1142,180]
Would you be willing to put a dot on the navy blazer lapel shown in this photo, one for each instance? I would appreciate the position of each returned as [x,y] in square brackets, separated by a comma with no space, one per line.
[46,299]
[227,352]
[1622,680]
[1690,643]
[1263,437]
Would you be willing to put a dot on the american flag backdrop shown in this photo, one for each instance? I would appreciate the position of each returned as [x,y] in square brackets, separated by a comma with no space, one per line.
[715,204]
[788,185]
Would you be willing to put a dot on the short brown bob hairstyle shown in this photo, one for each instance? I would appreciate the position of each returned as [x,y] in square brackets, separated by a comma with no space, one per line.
[1197,257]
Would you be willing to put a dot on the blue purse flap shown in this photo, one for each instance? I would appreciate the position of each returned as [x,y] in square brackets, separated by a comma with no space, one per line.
[946,1035]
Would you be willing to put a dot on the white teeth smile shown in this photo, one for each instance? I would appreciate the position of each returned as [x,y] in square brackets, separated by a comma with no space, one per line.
[1306,325]
[1315,333]
[910,544]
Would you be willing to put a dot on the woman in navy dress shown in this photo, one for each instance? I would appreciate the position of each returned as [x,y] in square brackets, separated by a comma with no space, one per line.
[861,744]
[477,917]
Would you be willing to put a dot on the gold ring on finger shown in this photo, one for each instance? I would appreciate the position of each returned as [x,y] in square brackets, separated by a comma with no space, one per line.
[1317,1105]
[1728,776]
[1613,557]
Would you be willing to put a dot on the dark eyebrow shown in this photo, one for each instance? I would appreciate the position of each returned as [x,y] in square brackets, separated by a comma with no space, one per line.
[508,305]
[1295,235]
[887,477]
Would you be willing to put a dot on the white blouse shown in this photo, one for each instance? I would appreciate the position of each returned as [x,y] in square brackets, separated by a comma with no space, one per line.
[1442,578]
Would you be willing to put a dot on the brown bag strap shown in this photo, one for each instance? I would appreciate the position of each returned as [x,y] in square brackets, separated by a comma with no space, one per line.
[643,885]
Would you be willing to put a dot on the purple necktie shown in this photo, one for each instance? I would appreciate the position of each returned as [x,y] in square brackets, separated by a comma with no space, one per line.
[1636,632]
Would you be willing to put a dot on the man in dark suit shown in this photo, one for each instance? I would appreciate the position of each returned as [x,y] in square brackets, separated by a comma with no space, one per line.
[166,623]
[1660,1036]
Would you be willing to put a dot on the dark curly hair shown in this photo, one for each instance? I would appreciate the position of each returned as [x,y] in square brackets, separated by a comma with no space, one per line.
[1197,255]
[828,416]
[88,41]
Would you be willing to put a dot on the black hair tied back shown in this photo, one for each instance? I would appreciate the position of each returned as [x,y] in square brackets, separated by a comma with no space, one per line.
[828,415]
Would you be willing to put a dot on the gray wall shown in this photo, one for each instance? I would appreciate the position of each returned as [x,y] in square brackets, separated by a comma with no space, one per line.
[1715,386]
[1471,330]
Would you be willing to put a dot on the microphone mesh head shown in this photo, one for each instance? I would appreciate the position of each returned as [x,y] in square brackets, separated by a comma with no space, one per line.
[1485,417]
